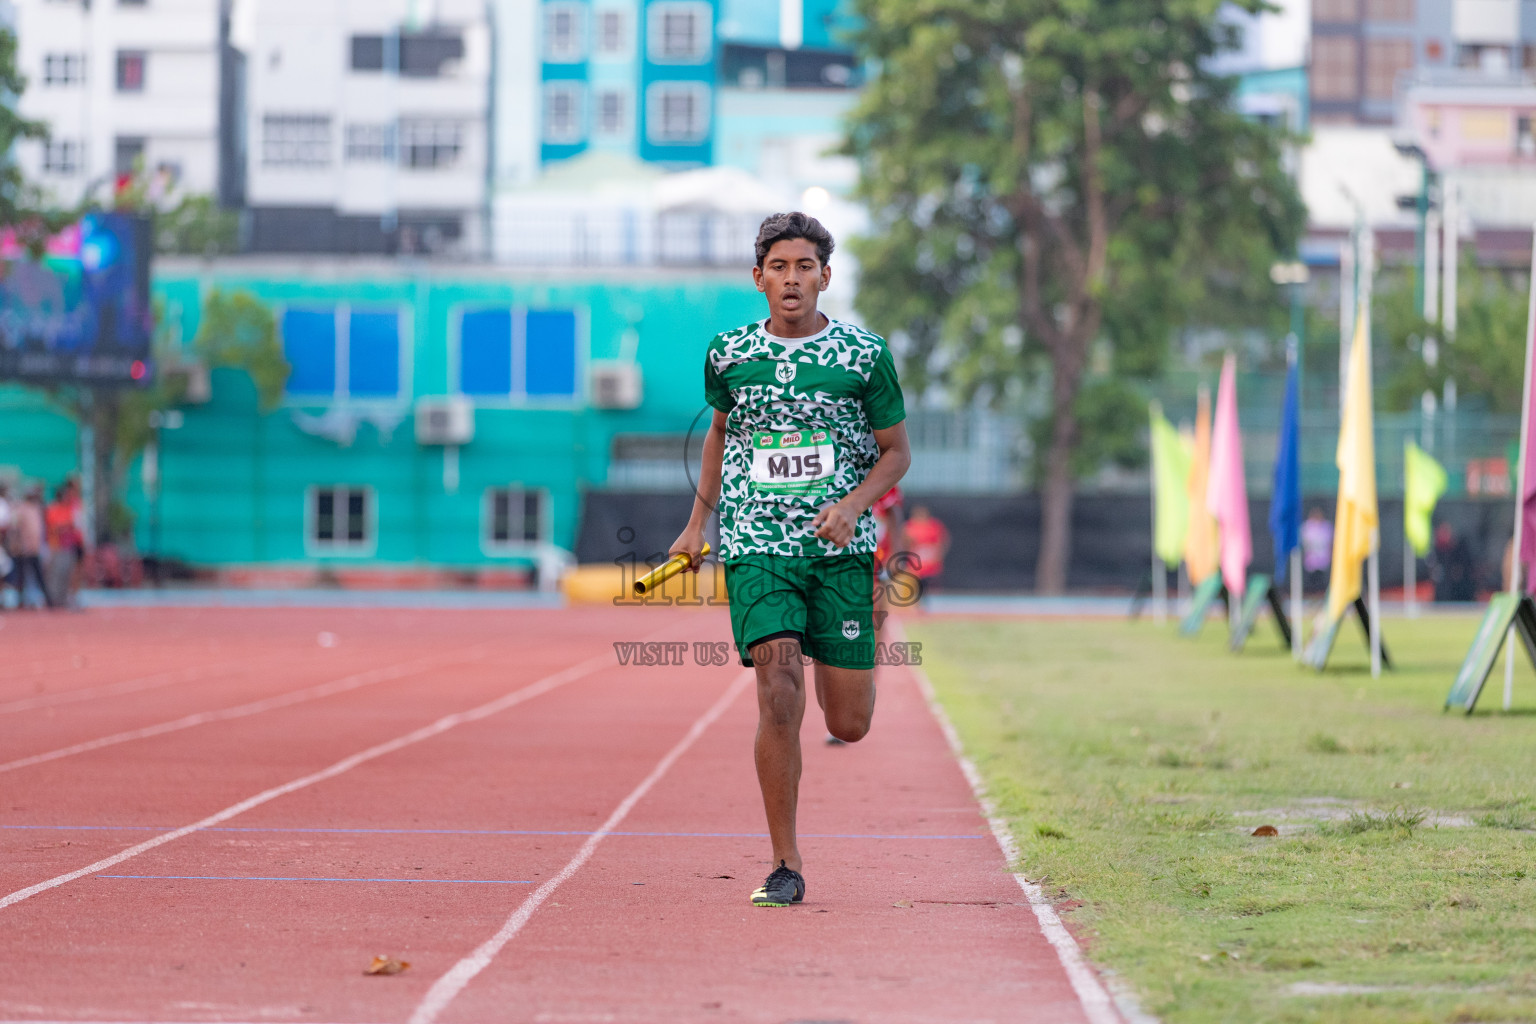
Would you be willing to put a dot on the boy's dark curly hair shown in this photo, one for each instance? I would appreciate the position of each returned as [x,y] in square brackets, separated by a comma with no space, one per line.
[780,227]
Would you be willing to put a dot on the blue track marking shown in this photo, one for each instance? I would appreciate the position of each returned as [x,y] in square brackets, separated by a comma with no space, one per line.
[278,878]
[488,832]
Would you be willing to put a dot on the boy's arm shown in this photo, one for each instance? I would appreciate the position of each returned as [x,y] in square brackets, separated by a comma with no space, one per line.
[706,497]
[838,523]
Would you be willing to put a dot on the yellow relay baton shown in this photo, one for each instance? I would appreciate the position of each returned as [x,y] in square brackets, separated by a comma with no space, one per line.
[671,567]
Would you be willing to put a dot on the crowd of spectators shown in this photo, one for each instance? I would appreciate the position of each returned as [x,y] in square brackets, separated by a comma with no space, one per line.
[42,545]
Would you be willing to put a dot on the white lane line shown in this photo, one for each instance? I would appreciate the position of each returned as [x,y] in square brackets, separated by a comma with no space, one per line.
[139,685]
[1095,1000]
[335,686]
[346,764]
[462,973]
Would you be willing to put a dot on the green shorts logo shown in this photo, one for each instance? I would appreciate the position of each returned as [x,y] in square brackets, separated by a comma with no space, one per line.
[851,628]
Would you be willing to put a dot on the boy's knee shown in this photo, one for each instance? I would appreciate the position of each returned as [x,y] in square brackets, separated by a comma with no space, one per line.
[849,728]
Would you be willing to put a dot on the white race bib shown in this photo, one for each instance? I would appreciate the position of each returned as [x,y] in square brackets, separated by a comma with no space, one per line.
[801,462]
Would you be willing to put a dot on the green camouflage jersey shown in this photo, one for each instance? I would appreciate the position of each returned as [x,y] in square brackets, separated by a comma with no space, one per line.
[798,437]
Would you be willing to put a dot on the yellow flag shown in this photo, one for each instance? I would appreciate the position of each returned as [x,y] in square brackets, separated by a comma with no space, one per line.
[1424,481]
[1354,528]
[1170,480]
[1200,547]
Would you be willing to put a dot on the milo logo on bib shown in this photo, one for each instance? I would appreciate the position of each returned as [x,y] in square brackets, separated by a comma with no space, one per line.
[800,462]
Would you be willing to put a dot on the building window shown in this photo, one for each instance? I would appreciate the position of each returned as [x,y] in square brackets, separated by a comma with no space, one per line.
[514,516]
[612,33]
[1389,10]
[430,54]
[1335,12]
[131,3]
[612,112]
[338,353]
[1385,60]
[64,69]
[678,33]
[370,143]
[367,53]
[1334,68]
[1525,137]
[429,143]
[130,70]
[518,354]
[296,140]
[562,113]
[128,154]
[562,33]
[677,113]
[340,520]
[63,157]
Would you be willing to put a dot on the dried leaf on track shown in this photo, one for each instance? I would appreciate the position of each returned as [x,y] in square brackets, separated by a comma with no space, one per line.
[386,965]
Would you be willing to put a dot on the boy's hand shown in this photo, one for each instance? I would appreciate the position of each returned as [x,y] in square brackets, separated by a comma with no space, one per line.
[836,523]
[690,542]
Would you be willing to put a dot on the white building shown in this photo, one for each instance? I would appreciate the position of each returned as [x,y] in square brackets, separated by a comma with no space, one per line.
[119,82]
[365,124]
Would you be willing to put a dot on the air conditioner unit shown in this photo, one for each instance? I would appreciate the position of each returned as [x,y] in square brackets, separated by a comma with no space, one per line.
[616,385]
[445,420]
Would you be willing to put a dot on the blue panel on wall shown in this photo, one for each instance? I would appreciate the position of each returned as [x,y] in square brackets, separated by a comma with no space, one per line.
[485,352]
[309,345]
[373,355]
[551,352]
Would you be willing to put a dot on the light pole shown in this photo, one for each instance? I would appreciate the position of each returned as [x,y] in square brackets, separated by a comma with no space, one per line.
[153,472]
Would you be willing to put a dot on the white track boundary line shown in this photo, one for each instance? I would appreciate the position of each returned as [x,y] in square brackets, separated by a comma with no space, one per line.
[1095,1000]
[346,764]
[138,685]
[308,693]
[462,973]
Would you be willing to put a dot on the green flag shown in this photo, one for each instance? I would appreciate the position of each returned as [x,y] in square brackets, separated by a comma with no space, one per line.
[1170,481]
[1424,482]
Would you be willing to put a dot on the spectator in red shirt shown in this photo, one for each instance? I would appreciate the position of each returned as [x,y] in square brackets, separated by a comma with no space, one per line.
[930,543]
[64,544]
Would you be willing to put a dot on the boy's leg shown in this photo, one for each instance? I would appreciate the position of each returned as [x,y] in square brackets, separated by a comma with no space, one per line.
[780,709]
[847,699]
[840,636]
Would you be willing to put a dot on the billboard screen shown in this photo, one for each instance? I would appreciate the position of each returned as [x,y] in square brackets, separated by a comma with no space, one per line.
[82,312]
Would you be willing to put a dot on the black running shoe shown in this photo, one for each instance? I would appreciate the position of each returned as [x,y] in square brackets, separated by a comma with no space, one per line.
[783,887]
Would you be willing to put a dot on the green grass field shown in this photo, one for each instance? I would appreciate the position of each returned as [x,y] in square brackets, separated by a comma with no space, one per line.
[1133,766]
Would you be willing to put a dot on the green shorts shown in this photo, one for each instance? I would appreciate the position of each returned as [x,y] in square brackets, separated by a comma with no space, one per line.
[826,602]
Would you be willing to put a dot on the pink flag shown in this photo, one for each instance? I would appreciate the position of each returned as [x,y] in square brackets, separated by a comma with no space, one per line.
[1227,493]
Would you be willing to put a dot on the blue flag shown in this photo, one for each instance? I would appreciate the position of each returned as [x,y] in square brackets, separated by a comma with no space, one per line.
[1285,503]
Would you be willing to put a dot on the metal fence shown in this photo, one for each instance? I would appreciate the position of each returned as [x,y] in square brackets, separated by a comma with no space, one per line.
[984,451]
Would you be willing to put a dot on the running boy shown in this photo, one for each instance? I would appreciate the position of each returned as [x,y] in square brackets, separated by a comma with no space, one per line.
[808,431]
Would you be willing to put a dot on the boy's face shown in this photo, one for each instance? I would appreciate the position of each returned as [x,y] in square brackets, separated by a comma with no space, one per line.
[792,277]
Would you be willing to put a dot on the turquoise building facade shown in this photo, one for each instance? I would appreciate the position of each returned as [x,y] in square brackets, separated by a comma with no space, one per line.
[336,473]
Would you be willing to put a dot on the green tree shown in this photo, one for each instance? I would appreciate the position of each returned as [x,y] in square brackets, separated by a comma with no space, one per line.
[195,225]
[1048,176]
[235,330]
[1486,358]
[19,198]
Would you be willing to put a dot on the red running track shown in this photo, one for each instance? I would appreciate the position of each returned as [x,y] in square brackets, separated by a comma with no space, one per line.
[545,834]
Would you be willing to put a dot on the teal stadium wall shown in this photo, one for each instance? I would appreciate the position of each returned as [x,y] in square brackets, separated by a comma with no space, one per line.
[235,480]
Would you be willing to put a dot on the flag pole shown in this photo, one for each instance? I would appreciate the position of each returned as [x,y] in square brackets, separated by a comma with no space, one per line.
[1159,571]
[1293,358]
[1296,647]
[1410,557]
[1367,270]
[1525,440]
